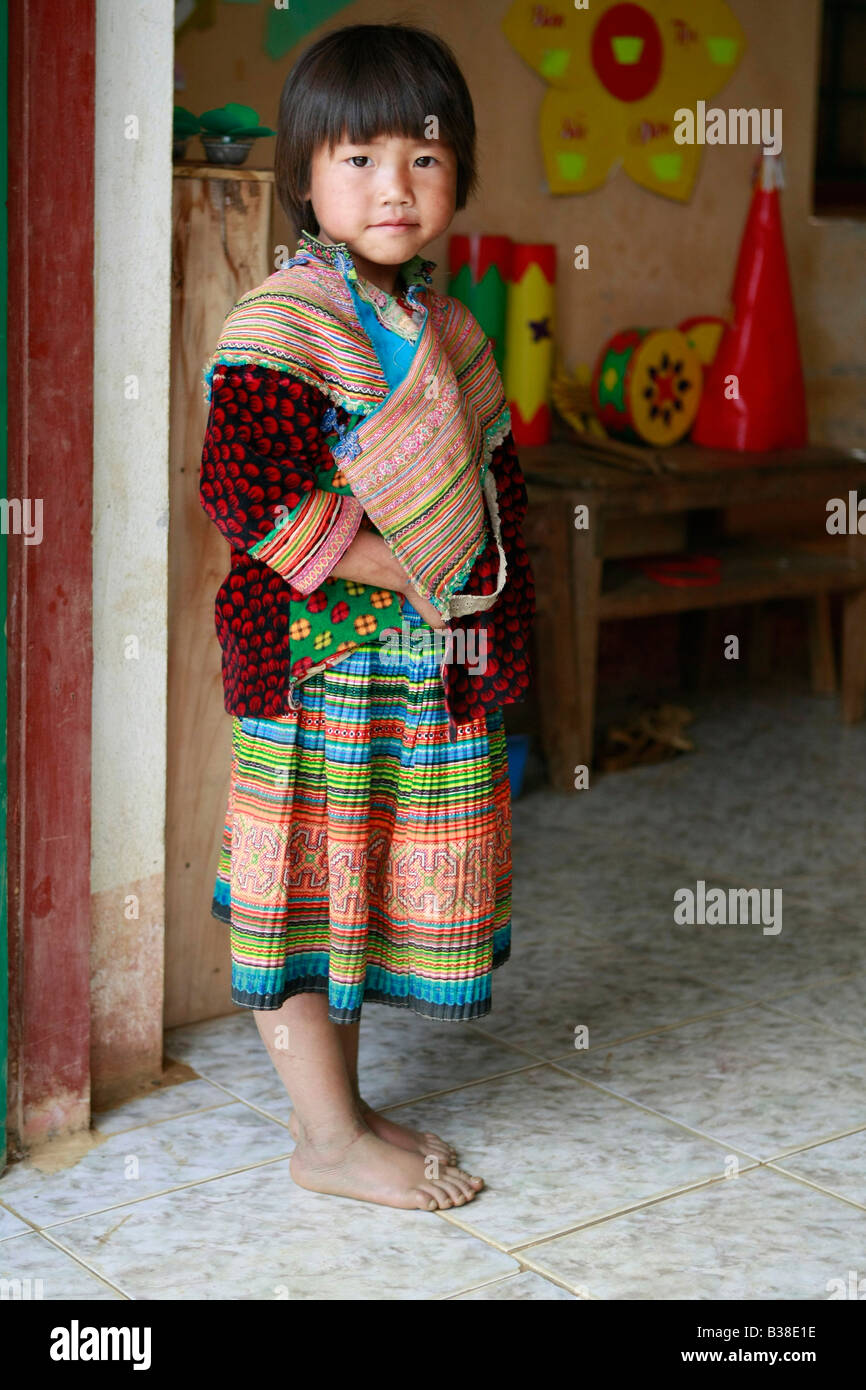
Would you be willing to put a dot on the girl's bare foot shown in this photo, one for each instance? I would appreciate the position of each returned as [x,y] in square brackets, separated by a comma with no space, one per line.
[401,1136]
[357,1163]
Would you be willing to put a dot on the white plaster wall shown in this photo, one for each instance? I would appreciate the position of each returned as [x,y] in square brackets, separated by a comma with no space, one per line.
[132,264]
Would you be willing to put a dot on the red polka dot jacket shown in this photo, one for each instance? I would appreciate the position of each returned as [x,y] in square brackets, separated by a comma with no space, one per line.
[265,448]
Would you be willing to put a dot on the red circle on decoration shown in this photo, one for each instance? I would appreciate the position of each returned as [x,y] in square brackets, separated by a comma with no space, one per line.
[627,52]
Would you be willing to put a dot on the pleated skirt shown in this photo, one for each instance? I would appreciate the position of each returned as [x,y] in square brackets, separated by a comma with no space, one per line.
[363,855]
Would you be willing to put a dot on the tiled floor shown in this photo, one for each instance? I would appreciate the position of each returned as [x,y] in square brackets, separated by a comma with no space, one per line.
[707,1140]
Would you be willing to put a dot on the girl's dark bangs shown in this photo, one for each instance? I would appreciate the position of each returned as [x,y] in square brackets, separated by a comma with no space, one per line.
[356,111]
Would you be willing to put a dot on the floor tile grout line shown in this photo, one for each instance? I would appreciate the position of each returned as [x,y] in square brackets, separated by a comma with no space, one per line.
[4,1207]
[151,1124]
[32,1228]
[606,1090]
[709,983]
[755,1160]
[672,776]
[662,861]
[643,955]
[474,1288]
[136,1201]
[572,1227]
[596,831]
[258,1109]
[742,1001]
[716,1013]
[805,1018]
[651,1032]
[828,913]
[814,1144]
[505,1279]
[516,1250]
[692,870]
[269,1115]
[607,1217]
[41,1232]
[413,1100]
[479,1032]
[817,1186]
[795,989]
[534,1065]
[532,1062]
[602,836]
[450,1215]
[687,866]
[464,1086]
[584,1294]
[704,1134]
[601,938]
[537,1057]
[660,1114]
[712,877]
[46,1232]
[485,1283]
[79,1260]
[476,1030]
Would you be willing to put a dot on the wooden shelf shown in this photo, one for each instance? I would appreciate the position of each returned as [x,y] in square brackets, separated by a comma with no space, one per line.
[749,574]
[203,169]
[581,582]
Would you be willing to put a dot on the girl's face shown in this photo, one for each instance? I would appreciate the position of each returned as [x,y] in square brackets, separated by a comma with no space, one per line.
[386,200]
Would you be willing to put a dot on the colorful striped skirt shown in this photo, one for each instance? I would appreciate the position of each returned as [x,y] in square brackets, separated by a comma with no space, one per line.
[363,855]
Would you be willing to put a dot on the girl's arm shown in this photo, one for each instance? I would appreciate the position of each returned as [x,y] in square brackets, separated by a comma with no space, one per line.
[370,560]
[263,456]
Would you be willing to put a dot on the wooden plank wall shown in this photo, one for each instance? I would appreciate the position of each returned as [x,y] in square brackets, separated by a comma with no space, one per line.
[221,247]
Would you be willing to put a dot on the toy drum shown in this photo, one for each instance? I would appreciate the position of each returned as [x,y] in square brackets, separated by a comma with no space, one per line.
[646,386]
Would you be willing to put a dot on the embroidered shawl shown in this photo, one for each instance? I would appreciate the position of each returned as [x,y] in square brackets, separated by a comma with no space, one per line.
[417,460]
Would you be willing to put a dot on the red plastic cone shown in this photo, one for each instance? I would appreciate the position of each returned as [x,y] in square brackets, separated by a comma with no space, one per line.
[753,397]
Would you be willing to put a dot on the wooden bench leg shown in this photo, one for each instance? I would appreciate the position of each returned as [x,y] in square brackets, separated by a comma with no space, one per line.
[586,579]
[854,656]
[692,647]
[548,542]
[823,658]
[760,630]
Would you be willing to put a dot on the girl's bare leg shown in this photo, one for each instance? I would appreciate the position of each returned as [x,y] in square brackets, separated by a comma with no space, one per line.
[419,1140]
[337,1150]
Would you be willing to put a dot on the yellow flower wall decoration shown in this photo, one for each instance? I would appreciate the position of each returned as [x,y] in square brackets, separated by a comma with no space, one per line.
[617,73]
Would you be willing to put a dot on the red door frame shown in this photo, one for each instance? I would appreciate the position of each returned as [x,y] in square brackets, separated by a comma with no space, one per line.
[50,374]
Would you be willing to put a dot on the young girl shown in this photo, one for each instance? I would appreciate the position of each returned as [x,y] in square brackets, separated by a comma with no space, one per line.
[359,460]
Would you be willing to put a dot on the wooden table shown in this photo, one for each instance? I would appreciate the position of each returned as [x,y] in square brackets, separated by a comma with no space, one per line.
[666,500]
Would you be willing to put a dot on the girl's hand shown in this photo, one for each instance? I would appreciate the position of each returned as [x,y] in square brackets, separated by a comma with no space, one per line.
[430,614]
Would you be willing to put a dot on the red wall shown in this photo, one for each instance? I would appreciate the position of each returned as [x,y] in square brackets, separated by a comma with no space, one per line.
[51,115]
